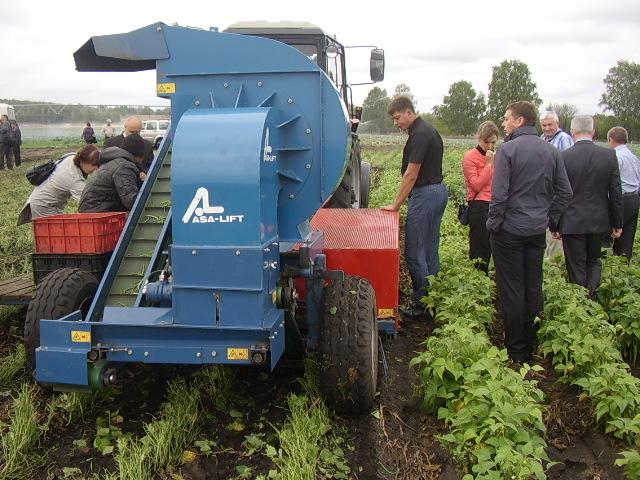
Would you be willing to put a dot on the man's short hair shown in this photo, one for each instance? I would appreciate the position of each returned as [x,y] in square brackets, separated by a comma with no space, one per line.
[582,124]
[134,144]
[549,114]
[400,104]
[618,135]
[526,110]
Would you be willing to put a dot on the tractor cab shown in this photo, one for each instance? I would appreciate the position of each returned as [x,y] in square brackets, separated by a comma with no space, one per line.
[320,47]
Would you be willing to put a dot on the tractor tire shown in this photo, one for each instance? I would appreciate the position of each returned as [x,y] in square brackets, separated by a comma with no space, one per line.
[365,184]
[60,293]
[348,346]
[348,192]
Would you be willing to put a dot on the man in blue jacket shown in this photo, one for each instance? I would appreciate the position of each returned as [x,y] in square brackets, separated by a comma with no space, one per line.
[530,192]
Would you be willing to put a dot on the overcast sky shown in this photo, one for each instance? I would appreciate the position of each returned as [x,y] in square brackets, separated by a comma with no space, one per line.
[428,45]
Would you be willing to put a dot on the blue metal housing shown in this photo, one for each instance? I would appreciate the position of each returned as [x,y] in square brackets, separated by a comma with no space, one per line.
[260,139]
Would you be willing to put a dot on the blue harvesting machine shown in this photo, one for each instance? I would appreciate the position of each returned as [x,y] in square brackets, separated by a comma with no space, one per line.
[218,245]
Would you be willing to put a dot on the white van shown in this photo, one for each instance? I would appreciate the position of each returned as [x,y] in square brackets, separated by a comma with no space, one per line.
[154,131]
[6,109]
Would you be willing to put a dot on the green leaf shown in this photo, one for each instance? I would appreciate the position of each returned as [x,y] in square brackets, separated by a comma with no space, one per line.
[236,426]
[82,443]
[107,450]
[271,451]
[243,471]
[333,310]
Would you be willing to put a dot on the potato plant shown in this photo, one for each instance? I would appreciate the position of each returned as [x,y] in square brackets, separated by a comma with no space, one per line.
[494,412]
[619,295]
[585,353]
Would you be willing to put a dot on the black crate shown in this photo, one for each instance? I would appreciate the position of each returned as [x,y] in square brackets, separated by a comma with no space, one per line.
[45,263]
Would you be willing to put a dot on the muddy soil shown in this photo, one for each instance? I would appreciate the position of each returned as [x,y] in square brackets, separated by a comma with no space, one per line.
[43,154]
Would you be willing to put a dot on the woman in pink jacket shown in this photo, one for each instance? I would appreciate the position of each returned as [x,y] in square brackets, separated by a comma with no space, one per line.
[477,166]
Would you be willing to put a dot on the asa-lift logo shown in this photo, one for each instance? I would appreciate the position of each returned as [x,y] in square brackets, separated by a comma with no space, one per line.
[200,211]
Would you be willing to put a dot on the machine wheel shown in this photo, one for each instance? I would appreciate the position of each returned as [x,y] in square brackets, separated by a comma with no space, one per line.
[348,192]
[60,293]
[365,184]
[348,345]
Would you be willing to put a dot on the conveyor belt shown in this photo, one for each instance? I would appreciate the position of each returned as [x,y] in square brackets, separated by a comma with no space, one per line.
[126,284]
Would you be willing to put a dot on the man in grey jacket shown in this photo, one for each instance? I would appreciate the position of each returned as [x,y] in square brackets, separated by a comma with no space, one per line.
[530,192]
[114,186]
[6,145]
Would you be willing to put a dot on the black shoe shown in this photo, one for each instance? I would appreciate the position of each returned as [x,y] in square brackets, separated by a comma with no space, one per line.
[412,311]
[521,359]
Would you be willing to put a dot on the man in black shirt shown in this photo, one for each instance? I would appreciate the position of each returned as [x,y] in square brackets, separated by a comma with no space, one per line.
[422,184]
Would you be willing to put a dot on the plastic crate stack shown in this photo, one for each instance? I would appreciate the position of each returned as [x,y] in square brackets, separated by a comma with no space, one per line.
[80,240]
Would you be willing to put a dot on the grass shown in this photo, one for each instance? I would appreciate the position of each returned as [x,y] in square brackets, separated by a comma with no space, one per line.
[16,243]
[301,438]
[12,366]
[19,459]
[58,142]
[178,426]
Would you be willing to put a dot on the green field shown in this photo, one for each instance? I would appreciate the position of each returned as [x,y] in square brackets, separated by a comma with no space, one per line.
[476,416]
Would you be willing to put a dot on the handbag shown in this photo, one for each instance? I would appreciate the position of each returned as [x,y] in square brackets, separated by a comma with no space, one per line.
[39,173]
[463,211]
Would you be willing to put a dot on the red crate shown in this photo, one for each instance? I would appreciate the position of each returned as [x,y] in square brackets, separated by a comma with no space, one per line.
[78,232]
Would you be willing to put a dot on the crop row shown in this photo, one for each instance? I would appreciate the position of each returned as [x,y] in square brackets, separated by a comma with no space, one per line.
[494,412]
[584,345]
[619,295]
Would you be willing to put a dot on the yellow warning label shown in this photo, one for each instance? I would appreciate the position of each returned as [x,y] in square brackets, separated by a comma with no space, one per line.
[274,297]
[385,312]
[237,354]
[166,88]
[80,336]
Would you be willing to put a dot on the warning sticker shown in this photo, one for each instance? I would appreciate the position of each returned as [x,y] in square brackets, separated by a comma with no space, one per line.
[166,88]
[385,312]
[237,354]
[80,336]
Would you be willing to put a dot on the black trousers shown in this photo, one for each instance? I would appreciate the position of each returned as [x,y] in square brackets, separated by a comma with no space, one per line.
[6,152]
[518,262]
[624,244]
[479,246]
[582,254]
[16,154]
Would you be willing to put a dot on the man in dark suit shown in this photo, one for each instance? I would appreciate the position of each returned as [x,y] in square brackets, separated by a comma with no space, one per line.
[133,125]
[595,210]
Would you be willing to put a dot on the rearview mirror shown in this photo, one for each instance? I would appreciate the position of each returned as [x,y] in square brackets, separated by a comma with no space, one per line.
[376,65]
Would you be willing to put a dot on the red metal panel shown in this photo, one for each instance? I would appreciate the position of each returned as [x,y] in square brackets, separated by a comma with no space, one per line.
[364,242]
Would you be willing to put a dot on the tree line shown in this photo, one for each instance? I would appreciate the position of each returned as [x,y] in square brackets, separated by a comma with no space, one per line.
[463,109]
[49,112]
